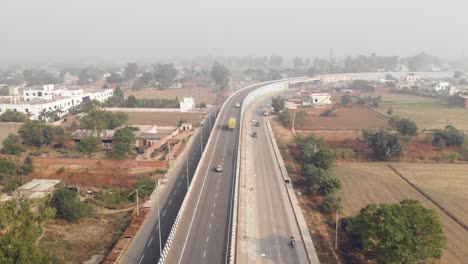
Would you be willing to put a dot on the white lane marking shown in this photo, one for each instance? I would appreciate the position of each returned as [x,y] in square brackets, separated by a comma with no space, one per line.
[175,192]
[202,188]
[209,226]
[178,184]
[141,259]
[207,239]
[211,214]
[214,204]
[170,201]
[151,240]
[164,213]
[156,228]
[204,253]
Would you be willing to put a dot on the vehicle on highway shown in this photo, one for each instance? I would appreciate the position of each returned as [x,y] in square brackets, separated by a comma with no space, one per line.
[254,134]
[253,120]
[292,241]
[265,113]
[232,123]
[219,168]
[237,105]
[257,124]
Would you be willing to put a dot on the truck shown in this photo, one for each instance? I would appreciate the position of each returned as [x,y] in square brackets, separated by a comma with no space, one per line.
[232,123]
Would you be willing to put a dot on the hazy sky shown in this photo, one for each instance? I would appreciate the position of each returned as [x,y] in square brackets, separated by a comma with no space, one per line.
[59,30]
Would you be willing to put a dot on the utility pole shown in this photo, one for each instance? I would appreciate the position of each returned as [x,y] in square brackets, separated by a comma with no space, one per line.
[336,231]
[138,208]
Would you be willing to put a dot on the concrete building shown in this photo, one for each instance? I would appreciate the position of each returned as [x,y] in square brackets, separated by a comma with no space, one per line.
[37,188]
[187,104]
[318,99]
[412,79]
[39,99]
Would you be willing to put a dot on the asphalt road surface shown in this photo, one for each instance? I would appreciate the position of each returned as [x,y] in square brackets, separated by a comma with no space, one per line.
[273,221]
[145,246]
[204,230]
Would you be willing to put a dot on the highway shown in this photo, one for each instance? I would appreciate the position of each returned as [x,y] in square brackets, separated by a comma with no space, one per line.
[204,230]
[144,247]
[266,218]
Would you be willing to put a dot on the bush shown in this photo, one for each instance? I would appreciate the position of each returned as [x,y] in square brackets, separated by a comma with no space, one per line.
[13,116]
[449,156]
[345,99]
[68,205]
[450,136]
[112,196]
[386,146]
[329,113]
[406,127]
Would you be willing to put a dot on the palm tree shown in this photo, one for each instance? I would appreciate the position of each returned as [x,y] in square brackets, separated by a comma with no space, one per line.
[42,115]
[137,192]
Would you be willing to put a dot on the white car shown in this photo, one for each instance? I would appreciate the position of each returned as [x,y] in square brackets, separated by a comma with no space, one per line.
[237,105]
[219,168]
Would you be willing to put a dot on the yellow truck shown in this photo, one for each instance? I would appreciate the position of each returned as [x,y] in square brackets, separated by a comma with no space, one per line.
[232,123]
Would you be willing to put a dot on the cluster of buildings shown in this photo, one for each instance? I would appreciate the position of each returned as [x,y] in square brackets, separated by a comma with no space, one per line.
[413,82]
[36,100]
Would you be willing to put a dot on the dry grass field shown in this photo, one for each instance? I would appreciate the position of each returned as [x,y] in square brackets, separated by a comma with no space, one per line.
[7,128]
[200,94]
[365,183]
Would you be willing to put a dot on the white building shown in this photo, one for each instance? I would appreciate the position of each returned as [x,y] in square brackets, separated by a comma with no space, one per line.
[187,104]
[412,79]
[318,99]
[37,100]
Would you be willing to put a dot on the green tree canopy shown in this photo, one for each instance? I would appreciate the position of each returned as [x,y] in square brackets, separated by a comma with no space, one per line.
[101,120]
[13,116]
[345,99]
[21,226]
[450,136]
[124,143]
[165,74]
[278,103]
[12,145]
[386,146]
[220,74]
[69,206]
[90,146]
[131,71]
[398,233]
[36,133]
[406,127]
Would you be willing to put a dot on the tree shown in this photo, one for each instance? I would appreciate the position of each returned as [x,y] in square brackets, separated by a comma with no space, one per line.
[115,78]
[311,71]
[31,133]
[131,101]
[13,116]
[390,112]
[165,74]
[323,158]
[386,146]
[345,99]
[220,74]
[321,180]
[278,103]
[276,61]
[69,206]
[130,71]
[406,127]
[274,75]
[12,145]
[398,233]
[124,142]
[450,136]
[90,146]
[28,166]
[298,62]
[332,203]
[21,225]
